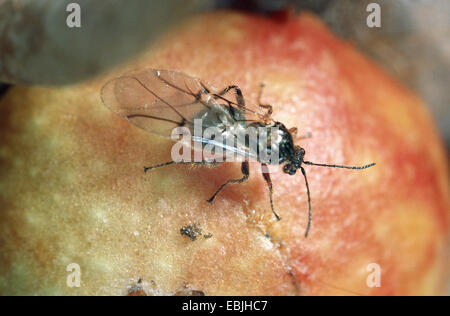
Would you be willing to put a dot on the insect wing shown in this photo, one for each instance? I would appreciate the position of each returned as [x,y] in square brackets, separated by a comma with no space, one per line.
[160,100]
[232,153]
[156,100]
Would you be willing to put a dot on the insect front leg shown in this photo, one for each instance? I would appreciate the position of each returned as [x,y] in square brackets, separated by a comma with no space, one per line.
[146,169]
[246,173]
[266,175]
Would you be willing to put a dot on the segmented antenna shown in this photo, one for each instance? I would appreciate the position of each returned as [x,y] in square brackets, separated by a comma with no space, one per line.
[307,185]
[339,166]
[309,203]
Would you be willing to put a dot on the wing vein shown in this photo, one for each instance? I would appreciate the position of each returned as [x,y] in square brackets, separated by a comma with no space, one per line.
[161,99]
[153,117]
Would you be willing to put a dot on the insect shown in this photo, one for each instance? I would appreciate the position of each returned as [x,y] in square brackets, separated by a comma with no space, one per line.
[160,100]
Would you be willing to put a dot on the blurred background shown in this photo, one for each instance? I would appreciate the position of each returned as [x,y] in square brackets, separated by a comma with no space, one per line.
[412,42]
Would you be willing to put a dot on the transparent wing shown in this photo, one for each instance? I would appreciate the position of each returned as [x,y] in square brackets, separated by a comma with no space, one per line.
[251,112]
[156,100]
[227,151]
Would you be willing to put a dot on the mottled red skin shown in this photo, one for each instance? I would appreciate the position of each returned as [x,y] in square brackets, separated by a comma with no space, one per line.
[394,214]
[357,114]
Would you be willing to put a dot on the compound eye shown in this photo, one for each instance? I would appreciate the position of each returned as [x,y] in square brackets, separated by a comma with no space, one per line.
[302,151]
[289,169]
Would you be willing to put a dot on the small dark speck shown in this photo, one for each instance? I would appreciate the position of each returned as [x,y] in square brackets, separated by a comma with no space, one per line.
[137,289]
[189,292]
[192,231]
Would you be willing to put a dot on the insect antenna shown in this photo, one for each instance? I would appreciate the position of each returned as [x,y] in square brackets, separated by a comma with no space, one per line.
[309,202]
[339,166]
[307,185]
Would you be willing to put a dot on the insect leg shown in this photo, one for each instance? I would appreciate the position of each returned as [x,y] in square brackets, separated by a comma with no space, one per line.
[266,175]
[245,171]
[268,107]
[238,93]
[294,131]
[146,169]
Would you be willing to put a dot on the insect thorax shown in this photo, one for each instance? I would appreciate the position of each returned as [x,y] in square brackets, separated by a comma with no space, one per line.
[279,140]
[228,126]
[222,117]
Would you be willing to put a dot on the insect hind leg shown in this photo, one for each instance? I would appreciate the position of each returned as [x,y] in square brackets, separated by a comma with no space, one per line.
[268,107]
[266,175]
[237,92]
[246,173]
[146,169]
